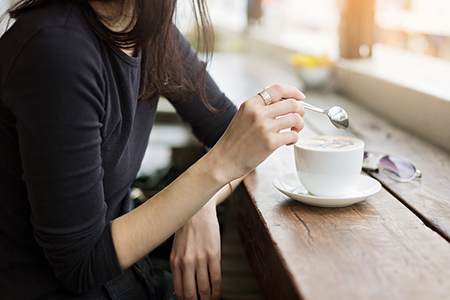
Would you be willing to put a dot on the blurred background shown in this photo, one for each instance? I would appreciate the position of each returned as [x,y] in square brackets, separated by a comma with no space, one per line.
[323,31]
[419,26]
[390,56]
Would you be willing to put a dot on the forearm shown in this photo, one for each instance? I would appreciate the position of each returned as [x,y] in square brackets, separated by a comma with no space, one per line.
[225,192]
[141,230]
[254,133]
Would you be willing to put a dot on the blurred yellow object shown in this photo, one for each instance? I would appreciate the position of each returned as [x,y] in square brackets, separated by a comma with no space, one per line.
[313,70]
[310,61]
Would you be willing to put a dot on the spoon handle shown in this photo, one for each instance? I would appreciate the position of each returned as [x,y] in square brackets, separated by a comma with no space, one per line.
[312,107]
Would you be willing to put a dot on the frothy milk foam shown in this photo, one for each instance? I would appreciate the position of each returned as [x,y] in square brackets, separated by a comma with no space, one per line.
[330,143]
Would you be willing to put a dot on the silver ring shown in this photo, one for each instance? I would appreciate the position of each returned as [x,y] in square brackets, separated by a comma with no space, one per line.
[264,94]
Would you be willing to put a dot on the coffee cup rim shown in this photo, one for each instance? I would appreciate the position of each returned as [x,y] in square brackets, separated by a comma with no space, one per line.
[360,144]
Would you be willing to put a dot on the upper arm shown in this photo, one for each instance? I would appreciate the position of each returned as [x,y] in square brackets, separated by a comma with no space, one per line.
[55,92]
[207,125]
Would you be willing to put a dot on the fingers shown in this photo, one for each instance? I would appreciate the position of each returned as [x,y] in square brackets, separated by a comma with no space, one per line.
[293,121]
[177,278]
[279,92]
[285,107]
[203,280]
[286,138]
[215,277]
[207,280]
[175,266]
[189,288]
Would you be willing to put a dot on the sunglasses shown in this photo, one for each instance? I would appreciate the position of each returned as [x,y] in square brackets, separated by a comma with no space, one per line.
[397,168]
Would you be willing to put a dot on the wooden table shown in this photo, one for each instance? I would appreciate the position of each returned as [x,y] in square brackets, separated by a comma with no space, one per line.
[395,245]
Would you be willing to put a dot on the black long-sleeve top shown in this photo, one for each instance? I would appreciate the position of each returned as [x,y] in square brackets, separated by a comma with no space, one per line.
[72,138]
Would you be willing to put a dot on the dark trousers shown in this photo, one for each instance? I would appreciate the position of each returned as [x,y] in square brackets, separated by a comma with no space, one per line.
[146,280]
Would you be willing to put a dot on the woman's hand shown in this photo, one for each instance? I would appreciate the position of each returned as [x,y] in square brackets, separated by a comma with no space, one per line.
[258,129]
[195,257]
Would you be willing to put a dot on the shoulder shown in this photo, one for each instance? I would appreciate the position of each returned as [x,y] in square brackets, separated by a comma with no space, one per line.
[63,14]
[55,35]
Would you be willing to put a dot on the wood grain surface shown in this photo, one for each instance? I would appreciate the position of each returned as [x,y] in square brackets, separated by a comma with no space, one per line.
[392,246]
[374,250]
[429,197]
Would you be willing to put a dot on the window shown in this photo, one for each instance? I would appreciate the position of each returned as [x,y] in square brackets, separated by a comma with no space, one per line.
[303,25]
[420,26]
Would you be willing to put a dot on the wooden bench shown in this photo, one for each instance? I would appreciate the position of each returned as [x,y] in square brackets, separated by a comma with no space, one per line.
[395,245]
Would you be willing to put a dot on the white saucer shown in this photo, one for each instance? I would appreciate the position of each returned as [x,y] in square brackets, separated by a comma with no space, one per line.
[291,186]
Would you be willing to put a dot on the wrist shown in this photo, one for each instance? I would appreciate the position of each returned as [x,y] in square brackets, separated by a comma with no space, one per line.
[205,213]
[211,206]
[217,169]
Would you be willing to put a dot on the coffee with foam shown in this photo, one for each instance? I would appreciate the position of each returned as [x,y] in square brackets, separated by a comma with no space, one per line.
[329,165]
[330,143]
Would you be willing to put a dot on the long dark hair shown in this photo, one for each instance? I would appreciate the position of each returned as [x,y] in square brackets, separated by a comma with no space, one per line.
[151,31]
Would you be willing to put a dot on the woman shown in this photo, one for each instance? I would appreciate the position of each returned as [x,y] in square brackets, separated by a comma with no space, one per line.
[79,86]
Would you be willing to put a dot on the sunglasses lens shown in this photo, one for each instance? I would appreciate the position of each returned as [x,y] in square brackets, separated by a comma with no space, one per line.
[398,167]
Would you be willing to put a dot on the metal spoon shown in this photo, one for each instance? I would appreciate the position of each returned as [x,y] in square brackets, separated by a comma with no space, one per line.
[337,115]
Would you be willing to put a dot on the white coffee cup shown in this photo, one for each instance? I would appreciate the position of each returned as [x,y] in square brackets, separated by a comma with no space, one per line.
[329,165]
